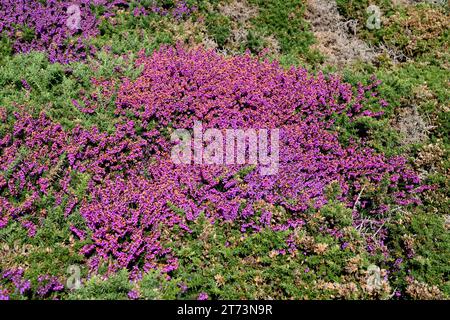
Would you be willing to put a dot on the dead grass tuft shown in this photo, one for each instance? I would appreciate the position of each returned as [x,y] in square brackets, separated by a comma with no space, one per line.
[336,38]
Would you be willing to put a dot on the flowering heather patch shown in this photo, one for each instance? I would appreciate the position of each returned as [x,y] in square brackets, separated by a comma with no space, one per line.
[29,154]
[178,87]
[174,149]
[4,294]
[41,26]
[46,284]
[126,219]
[63,28]
[136,195]
[16,278]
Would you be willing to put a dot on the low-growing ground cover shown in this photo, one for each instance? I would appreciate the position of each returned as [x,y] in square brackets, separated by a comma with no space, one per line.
[92,205]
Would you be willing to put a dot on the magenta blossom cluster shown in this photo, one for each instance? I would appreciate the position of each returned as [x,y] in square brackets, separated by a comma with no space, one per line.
[42,26]
[127,218]
[15,276]
[46,284]
[4,294]
[179,87]
[137,196]
[62,29]
[28,153]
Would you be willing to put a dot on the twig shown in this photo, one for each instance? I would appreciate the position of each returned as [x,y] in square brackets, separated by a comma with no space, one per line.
[357,199]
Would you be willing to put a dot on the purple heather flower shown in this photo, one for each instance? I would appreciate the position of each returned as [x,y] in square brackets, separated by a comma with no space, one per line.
[50,31]
[183,287]
[4,294]
[202,296]
[26,85]
[133,295]
[135,190]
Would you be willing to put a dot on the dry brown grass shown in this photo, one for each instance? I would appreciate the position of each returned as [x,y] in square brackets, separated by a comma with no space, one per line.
[420,27]
[412,126]
[241,13]
[336,38]
[422,291]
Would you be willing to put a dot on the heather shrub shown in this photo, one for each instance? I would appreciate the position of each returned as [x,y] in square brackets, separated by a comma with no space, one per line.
[86,177]
[29,24]
[64,33]
[15,285]
[131,197]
